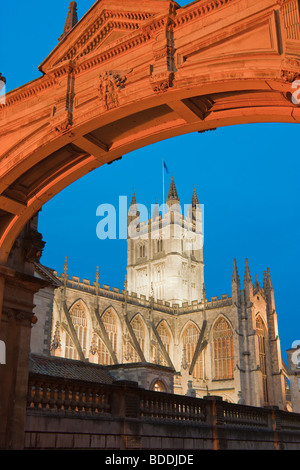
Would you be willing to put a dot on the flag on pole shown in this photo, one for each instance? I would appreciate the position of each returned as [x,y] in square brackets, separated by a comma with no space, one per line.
[165,166]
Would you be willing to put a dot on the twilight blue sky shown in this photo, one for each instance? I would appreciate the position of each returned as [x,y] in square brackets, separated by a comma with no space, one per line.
[246,176]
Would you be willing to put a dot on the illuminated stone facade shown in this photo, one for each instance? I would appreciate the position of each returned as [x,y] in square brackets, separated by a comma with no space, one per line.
[226,346]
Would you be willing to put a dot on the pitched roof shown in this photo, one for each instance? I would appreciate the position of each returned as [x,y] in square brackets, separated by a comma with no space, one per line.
[102,27]
[47,273]
[69,369]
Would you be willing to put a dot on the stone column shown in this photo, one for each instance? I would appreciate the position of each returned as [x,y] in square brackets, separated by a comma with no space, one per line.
[19,286]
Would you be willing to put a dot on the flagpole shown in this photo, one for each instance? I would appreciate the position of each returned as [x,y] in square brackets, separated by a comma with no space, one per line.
[163,170]
[163,211]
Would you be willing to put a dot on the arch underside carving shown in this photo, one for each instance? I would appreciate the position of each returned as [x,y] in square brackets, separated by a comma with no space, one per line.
[169,71]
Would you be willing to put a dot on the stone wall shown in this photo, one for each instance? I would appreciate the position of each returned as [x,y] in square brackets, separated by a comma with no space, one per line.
[68,414]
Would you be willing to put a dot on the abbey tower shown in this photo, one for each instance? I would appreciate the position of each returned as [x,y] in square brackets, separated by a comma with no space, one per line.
[165,253]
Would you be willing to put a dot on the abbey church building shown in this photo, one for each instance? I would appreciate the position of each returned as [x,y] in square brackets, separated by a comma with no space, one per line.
[160,330]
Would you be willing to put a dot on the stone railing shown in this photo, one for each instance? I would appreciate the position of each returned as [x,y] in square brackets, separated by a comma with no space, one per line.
[122,415]
[171,407]
[238,415]
[57,394]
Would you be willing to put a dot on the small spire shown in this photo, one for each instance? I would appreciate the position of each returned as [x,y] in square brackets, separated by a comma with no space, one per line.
[133,200]
[133,217]
[97,285]
[133,209]
[247,276]
[172,195]
[71,20]
[66,266]
[204,294]
[256,285]
[65,274]
[195,210]
[155,211]
[267,279]
[195,201]
[235,274]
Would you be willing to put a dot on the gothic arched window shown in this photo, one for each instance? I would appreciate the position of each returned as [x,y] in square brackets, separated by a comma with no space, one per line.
[223,350]
[159,245]
[79,320]
[130,353]
[261,334]
[110,324]
[142,250]
[139,331]
[70,350]
[189,341]
[104,356]
[158,357]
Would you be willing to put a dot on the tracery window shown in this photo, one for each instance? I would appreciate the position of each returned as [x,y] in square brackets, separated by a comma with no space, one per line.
[130,353]
[70,350]
[79,320]
[261,334]
[110,325]
[104,356]
[190,340]
[158,357]
[223,350]
[139,331]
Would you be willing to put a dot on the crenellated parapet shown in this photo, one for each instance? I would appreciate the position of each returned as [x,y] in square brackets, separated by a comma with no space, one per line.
[106,291]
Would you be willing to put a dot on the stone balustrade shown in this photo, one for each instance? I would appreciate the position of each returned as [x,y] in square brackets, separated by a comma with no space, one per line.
[123,416]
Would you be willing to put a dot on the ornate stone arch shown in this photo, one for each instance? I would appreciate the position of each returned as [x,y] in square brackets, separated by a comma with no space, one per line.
[114,312]
[225,317]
